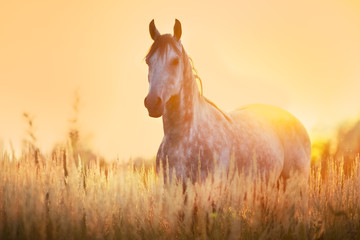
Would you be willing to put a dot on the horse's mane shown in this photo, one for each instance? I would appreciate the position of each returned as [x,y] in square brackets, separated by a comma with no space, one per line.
[197,77]
[221,111]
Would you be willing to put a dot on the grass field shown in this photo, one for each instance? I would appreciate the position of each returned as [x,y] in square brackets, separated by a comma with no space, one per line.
[64,196]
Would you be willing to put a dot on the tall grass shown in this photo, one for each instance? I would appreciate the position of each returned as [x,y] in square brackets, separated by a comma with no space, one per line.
[63,197]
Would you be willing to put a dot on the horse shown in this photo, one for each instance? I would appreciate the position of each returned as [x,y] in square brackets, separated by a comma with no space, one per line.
[196,131]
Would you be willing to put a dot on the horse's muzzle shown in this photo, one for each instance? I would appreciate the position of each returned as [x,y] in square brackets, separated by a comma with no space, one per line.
[154,105]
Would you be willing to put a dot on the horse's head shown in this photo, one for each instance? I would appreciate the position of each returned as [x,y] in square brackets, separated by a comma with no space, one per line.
[165,69]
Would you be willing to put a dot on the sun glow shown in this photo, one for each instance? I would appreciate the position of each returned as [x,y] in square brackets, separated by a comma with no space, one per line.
[301,56]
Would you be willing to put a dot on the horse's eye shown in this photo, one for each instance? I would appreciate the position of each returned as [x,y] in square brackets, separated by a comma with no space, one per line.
[175,62]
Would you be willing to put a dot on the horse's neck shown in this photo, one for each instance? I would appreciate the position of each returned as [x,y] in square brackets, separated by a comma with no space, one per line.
[179,112]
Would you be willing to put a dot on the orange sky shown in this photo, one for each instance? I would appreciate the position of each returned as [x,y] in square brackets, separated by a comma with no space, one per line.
[303,56]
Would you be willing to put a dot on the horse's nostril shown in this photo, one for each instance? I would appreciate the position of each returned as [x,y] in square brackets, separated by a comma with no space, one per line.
[151,102]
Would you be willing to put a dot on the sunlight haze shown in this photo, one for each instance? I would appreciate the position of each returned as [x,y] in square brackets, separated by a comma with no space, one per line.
[302,56]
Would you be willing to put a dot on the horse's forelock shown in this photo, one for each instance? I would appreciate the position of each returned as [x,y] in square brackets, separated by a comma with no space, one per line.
[161,45]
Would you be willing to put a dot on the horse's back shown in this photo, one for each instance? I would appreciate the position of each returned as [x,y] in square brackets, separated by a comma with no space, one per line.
[289,130]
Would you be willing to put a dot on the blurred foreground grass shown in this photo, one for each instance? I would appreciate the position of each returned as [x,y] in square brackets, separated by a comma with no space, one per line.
[62,196]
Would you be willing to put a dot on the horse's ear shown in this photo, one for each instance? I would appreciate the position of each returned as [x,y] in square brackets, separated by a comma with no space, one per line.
[177,29]
[154,33]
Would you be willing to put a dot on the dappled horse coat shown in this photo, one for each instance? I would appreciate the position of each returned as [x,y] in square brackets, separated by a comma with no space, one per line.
[197,131]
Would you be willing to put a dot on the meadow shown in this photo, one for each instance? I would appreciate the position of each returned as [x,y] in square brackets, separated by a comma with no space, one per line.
[62,196]
[74,194]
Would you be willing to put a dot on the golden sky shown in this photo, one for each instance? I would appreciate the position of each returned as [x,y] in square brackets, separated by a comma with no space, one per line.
[303,56]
